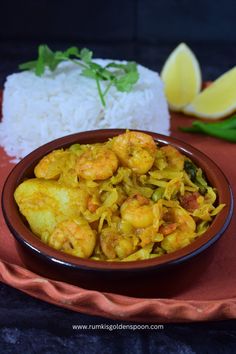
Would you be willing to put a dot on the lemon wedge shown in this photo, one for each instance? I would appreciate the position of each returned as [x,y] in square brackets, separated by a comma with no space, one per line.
[217,100]
[181,75]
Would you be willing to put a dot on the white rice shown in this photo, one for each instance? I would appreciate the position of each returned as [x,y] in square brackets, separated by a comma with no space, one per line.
[37,110]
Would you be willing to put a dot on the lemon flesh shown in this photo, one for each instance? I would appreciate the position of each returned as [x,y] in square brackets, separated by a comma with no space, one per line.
[217,100]
[181,75]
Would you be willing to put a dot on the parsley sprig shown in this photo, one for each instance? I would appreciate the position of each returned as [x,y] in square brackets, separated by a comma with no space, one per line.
[122,76]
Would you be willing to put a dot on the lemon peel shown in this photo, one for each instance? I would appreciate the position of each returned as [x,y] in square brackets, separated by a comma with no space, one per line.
[181,76]
[217,100]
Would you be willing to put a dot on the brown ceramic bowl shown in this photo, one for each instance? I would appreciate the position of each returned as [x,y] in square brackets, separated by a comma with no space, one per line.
[50,262]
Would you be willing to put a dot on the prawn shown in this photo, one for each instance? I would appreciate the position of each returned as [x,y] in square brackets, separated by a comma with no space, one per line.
[179,230]
[114,244]
[74,237]
[138,211]
[174,158]
[97,163]
[135,150]
[52,165]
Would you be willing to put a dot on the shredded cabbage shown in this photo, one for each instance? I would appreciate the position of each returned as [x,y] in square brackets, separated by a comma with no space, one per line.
[132,215]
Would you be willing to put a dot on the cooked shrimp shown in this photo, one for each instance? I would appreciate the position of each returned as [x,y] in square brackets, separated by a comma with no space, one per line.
[168,228]
[93,204]
[180,232]
[184,220]
[138,211]
[74,237]
[174,158]
[53,164]
[114,244]
[97,163]
[121,200]
[149,235]
[135,150]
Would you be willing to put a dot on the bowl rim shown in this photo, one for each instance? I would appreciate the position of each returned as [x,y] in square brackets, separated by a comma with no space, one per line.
[25,236]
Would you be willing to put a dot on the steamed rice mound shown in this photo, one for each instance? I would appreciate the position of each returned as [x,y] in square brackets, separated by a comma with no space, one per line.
[37,110]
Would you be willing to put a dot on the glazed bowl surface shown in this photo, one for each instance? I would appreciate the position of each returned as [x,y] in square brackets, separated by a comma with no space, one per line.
[50,262]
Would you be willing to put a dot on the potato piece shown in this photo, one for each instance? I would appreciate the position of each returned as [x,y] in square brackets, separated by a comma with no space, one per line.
[46,203]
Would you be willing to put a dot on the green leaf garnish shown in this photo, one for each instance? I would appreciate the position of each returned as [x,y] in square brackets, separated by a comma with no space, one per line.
[88,73]
[122,76]
[86,55]
[126,82]
[29,65]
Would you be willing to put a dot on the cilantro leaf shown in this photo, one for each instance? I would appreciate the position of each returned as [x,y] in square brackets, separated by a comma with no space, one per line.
[131,66]
[88,73]
[121,75]
[29,65]
[126,82]
[40,67]
[71,51]
[86,55]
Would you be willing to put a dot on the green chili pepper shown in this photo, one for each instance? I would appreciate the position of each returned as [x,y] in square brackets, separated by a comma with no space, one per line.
[225,129]
[226,134]
[229,123]
[190,129]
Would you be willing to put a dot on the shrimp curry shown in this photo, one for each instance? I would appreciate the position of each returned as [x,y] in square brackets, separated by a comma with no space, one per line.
[123,200]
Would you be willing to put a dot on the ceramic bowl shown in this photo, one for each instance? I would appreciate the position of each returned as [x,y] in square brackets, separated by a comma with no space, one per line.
[52,263]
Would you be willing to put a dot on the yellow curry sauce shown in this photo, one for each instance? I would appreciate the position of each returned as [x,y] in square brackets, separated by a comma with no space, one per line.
[123,200]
